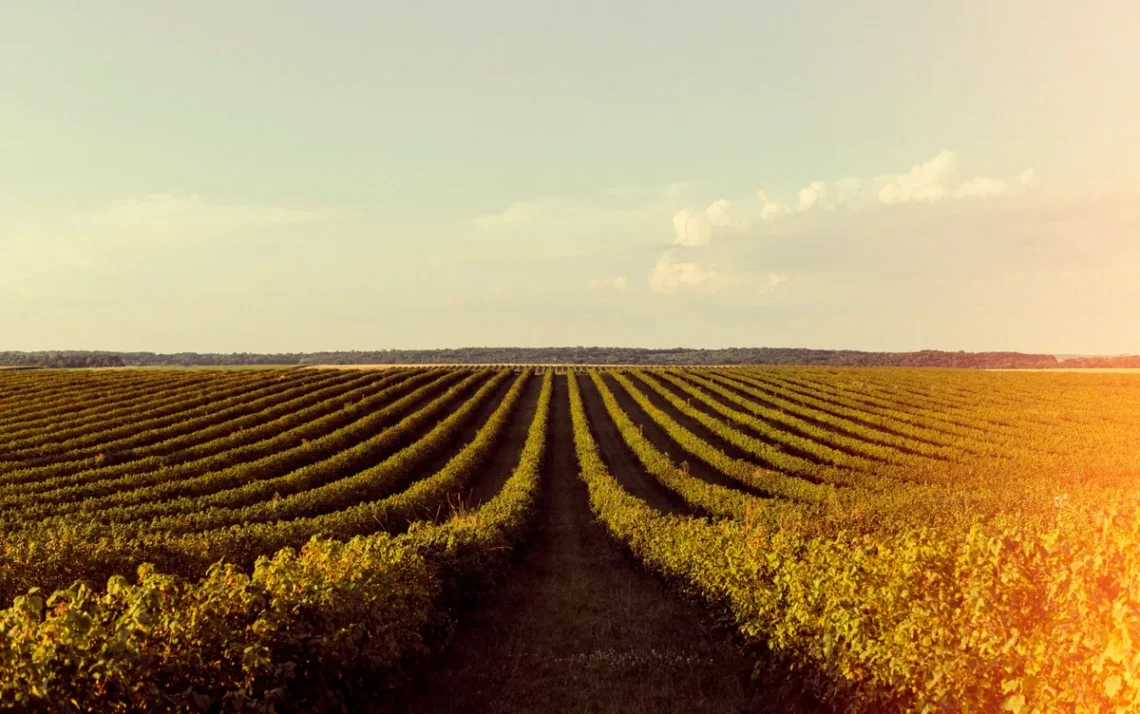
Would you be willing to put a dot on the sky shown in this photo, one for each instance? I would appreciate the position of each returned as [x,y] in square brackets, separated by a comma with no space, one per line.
[298,176]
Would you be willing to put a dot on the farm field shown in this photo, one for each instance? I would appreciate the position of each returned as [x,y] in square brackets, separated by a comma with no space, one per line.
[493,539]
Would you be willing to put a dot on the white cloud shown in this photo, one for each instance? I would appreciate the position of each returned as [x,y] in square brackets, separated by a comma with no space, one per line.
[726,214]
[924,182]
[846,191]
[672,276]
[928,182]
[602,285]
[934,180]
[691,228]
[519,213]
[720,213]
[717,230]
[811,195]
[770,209]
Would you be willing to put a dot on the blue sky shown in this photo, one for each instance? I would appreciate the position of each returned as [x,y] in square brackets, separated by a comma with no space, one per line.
[296,176]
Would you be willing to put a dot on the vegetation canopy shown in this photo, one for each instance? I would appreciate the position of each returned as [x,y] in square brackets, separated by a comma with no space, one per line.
[286,540]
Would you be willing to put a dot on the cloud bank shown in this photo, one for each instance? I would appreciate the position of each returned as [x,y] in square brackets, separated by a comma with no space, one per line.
[689,267]
[930,181]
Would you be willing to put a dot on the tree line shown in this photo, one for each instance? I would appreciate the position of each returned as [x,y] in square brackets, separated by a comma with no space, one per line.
[569,355]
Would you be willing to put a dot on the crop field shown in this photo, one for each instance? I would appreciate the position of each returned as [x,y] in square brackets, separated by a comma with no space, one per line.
[493,539]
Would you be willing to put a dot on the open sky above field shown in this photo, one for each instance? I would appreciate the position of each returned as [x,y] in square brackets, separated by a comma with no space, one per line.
[290,175]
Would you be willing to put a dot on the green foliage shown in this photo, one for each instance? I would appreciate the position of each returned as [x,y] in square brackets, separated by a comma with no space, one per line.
[928,541]
[710,498]
[305,628]
[1019,619]
[61,481]
[305,631]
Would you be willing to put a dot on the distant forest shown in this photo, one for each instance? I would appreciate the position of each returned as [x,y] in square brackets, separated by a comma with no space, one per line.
[571,355]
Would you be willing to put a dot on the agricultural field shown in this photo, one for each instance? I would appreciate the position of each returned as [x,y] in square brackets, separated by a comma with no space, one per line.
[430,539]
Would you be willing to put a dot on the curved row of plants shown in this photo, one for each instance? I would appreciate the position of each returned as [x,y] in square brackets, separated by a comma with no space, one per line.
[56,440]
[57,395]
[123,433]
[816,452]
[866,503]
[988,619]
[955,394]
[375,434]
[855,430]
[179,448]
[425,498]
[351,476]
[852,460]
[309,417]
[1009,445]
[1079,424]
[892,421]
[746,473]
[835,390]
[305,630]
[706,497]
[185,544]
[309,442]
[47,398]
[20,438]
[80,404]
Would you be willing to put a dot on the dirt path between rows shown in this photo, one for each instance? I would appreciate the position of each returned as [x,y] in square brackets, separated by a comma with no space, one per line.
[620,461]
[664,443]
[577,626]
[466,433]
[707,434]
[737,386]
[508,448]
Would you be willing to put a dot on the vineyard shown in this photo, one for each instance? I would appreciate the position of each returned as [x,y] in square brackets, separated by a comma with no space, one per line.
[277,540]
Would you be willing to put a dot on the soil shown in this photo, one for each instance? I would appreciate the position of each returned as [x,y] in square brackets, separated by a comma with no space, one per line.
[508,450]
